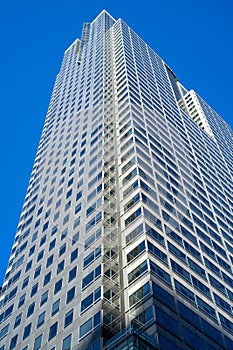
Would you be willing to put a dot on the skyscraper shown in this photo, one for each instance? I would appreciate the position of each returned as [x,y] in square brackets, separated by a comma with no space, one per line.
[125,240]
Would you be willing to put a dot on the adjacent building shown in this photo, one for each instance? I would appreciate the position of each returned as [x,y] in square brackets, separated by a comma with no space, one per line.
[125,240]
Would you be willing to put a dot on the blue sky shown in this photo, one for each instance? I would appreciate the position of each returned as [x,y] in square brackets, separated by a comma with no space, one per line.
[194,37]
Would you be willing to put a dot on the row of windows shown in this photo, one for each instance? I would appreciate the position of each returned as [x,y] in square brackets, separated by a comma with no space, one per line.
[66,343]
[143,267]
[169,322]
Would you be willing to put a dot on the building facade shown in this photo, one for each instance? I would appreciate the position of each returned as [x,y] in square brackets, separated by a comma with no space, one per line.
[125,240]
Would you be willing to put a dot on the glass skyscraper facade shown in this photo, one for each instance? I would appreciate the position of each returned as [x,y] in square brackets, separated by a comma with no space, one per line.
[125,240]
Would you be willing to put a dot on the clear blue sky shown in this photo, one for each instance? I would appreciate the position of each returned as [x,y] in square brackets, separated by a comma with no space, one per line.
[194,37]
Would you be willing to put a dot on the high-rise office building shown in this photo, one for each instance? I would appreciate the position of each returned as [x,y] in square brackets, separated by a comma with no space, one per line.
[125,240]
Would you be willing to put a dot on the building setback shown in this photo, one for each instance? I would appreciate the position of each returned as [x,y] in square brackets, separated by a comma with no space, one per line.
[125,240]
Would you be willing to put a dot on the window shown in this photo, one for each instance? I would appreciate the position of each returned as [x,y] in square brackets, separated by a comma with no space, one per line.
[136,232]
[95,254]
[70,295]
[226,323]
[17,320]
[64,234]
[7,313]
[27,331]
[90,324]
[60,266]
[37,272]
[136,251]
[55,307]
[38,221]
[93,207]
[195,267]
[13,342]
[93,221]
[222,303]
[180,288]
[138,271]
[25,282]
[21,300]
[95,236]
[217,285]
[66,344]
[166,320]
[66,219]
[28,266]
[72,274]
[157,252]
[34,237]
[189,315]
[44,298]
[4,331]
[86,327]
[70,182]
[37,343]
[31,309]
[68,205]
[133,217]
[54,229]
[91,298]
[78,196]
[162,295]
[53,331]
[131,202]
[68,318]
[91,276]
[58,286]
[40,255]
[47,278]
[73,255]
[41,319]
[180,270]
[192,250]
[34,289]
[206,307]
[212,266]
[158,271]
[76,223]
[42,241]
[52,244]
[69,193]
[75,238]
[32,250]
[78,208]
[202,287]
[139,294]
[62,249]
[167,344]
[49,261]
[193,339]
